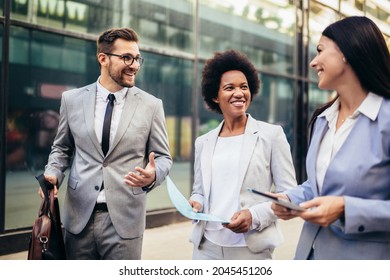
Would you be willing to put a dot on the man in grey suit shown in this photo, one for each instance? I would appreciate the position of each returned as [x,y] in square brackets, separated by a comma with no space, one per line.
[104,208]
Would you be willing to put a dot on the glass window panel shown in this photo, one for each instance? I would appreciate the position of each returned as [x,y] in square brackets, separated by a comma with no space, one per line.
[47,50]
[275,103]
[172,82]
[19,46]
[319,18]
[379,12]
[352,7]
[387,38]
[166,24]
[318,97]
[330,3]
[19,9]
[79,16]
[33,103]
[58,52]
[264,30]
[1,44]
[50,13]
[42,66]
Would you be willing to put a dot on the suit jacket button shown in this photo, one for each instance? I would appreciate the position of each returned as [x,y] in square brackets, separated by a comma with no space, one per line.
[361,228]
[97,188]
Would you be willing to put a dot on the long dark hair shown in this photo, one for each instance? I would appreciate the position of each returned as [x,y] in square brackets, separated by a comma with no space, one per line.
[365,49]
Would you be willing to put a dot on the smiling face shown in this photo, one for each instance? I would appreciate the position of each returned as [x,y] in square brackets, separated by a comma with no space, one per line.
[234,96]
[330,64]
[115,74]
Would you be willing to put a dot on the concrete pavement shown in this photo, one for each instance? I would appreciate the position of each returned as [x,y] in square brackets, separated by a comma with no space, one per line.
[170,242]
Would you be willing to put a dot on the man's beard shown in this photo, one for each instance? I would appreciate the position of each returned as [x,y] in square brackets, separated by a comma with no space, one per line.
[120,80]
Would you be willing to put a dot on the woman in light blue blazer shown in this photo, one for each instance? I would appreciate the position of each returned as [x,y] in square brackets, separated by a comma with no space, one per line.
[240,153]
[347,192]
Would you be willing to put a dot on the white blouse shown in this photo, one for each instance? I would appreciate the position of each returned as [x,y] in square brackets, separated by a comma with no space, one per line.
[333,140]
[225,190]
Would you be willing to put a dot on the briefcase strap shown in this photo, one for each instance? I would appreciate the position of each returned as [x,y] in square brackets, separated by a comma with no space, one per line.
[47,205]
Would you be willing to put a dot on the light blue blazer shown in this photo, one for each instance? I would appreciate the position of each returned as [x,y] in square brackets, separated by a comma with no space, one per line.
[265,162]
[360,172]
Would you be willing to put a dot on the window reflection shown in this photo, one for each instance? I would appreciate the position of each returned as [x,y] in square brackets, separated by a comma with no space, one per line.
[264,30]
[318,97]
[44,64]
[329,3]
[379,12]
[166,23]
[387,38]
[275,103]
[319,18]
[352,7]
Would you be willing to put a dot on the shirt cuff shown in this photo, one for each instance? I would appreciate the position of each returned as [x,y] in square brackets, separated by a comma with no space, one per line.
[255,220]
[149,188]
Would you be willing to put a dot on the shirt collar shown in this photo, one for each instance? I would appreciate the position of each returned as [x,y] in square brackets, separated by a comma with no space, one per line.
[103,93]
[369,107]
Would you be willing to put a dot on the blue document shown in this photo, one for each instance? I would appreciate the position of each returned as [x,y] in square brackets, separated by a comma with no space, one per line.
[183,206]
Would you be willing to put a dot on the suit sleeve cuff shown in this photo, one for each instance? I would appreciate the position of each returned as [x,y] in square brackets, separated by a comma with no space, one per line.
[149,188]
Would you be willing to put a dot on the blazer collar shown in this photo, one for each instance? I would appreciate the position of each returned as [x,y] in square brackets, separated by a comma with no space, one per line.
[131,103]
[251,136]
[89,100]
[321,127]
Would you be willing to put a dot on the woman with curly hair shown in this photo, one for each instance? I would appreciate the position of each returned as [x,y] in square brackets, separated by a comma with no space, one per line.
[240,153]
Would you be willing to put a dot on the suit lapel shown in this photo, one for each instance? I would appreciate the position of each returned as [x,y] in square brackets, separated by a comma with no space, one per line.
[248,145]
[131,102]
[321,128]
[346,157]
[207,156]
[89,100]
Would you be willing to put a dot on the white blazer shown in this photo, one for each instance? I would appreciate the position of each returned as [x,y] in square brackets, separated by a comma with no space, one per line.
[265,162]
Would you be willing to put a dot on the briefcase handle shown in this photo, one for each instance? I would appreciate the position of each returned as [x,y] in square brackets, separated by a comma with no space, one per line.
[48,191]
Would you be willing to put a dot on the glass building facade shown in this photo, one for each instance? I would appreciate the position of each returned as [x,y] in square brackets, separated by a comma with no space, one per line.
[48,46]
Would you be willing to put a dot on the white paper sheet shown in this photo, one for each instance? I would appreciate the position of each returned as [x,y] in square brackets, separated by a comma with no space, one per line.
[183,206]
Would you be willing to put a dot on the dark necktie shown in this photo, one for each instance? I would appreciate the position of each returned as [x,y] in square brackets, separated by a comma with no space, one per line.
[107,124]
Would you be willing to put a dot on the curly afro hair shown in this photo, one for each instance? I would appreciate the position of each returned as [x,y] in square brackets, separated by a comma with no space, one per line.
[223,62]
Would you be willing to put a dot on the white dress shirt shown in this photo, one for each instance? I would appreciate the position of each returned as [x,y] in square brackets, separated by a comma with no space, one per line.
[100,110]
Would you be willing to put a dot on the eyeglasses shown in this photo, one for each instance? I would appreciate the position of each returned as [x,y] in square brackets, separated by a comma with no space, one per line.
[128,59]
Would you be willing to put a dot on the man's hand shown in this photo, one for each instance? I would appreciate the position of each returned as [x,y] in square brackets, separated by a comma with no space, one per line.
[52,180]
[142,177]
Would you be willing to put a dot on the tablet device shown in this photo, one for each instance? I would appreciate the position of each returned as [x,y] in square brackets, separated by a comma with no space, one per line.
[281,202]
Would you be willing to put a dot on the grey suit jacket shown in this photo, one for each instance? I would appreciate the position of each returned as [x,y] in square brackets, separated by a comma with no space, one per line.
[360,172]
[141,130]
[265,162]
